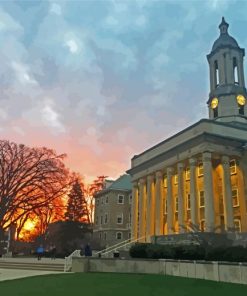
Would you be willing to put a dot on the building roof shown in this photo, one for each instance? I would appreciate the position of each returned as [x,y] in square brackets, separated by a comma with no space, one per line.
[122,183]
[224,40]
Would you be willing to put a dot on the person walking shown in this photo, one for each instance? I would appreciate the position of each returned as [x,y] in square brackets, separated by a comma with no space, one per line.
[88,250]
[53,252]
[40,252]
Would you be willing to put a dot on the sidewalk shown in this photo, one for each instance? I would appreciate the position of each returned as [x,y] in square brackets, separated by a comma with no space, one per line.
[11,274]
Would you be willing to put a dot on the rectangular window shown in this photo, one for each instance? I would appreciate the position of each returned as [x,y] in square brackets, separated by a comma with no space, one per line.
[106,199]
[106,218]
[129,235]
[101,220]
[120,219]
[130,199]
[187,174]
[165,207]
[100,235]
[233,167]
[201,199]
[237,225]
[188,201]
[96,220]
[120,199]
[200,169]
[235,199]
[119,235]
[105,235]
[165,182]
[102,200]
[97,201]
[176,179]
[176,204]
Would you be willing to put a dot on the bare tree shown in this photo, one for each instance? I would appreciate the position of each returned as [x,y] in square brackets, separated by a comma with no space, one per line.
[30,180]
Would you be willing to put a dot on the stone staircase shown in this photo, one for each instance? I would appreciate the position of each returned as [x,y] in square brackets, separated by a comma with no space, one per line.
[14,263]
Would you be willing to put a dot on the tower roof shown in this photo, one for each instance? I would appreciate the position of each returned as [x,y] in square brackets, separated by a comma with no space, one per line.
[224,39]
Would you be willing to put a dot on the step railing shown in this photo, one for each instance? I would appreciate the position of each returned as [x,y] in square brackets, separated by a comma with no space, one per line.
[120,245]
[68,260]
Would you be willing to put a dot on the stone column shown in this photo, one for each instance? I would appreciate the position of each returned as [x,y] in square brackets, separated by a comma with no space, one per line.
[170,202]
[142,216]
[208,192]
[159,203]
[181,203]
[150,207]
[134,211]
[193,194]
[227,194]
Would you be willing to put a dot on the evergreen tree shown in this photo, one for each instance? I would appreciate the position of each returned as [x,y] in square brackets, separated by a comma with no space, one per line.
[77,209]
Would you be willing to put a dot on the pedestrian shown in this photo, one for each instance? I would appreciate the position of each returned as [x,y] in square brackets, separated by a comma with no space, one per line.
[87,250]
[40,252]
[53,252]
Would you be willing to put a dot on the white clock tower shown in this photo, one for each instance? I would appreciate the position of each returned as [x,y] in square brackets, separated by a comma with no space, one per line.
[227,97]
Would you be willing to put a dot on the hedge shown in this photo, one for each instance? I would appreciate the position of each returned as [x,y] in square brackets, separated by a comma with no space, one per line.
[188,252]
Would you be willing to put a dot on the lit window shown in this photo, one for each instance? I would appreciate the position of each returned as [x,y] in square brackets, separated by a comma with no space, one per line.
[233,167]
[237,225]
[120,199]
[201,199]
[119,235]
[165,182]
[165,207]
[176,179]
[187,174]
[235,199]
[188,201]
[200,169]
[106,199]
[120,219]
[176,204]
[106,218]
[202,225]
[130,199]
[105,235]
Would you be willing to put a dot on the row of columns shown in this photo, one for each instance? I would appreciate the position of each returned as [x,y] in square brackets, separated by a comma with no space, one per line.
[150,199]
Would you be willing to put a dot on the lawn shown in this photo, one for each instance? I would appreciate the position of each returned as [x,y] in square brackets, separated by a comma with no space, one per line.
[111,284]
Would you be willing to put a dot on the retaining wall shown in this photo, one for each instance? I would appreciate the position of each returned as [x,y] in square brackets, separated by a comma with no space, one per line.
[215,271]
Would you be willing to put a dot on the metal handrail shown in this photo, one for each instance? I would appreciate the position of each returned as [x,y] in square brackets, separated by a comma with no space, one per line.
[68,260]
[120,245]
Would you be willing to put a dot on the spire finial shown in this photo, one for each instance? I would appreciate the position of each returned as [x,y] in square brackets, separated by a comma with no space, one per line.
[223,26]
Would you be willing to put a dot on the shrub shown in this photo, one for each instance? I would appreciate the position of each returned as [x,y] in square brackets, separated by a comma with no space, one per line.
[138,250]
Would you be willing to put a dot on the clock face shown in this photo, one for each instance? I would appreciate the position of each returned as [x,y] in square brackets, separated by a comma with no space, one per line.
[241,100]
[214,103]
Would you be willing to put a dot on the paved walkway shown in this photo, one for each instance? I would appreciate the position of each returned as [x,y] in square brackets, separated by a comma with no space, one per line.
[11,274]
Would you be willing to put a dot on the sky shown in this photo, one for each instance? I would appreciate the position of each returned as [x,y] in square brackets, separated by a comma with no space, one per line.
[103,81]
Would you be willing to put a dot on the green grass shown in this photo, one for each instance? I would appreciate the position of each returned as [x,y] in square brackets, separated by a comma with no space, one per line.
[111,284]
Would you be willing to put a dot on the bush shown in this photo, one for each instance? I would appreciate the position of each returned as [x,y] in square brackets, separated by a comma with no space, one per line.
[138,250]
[189,252]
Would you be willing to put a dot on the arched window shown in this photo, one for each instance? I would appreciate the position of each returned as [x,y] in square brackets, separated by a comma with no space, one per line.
[215,110]
[235,71]
[241,109]
[216,69]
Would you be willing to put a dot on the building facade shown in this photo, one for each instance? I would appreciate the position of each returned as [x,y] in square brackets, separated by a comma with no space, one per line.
[197,179]
[112,216]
